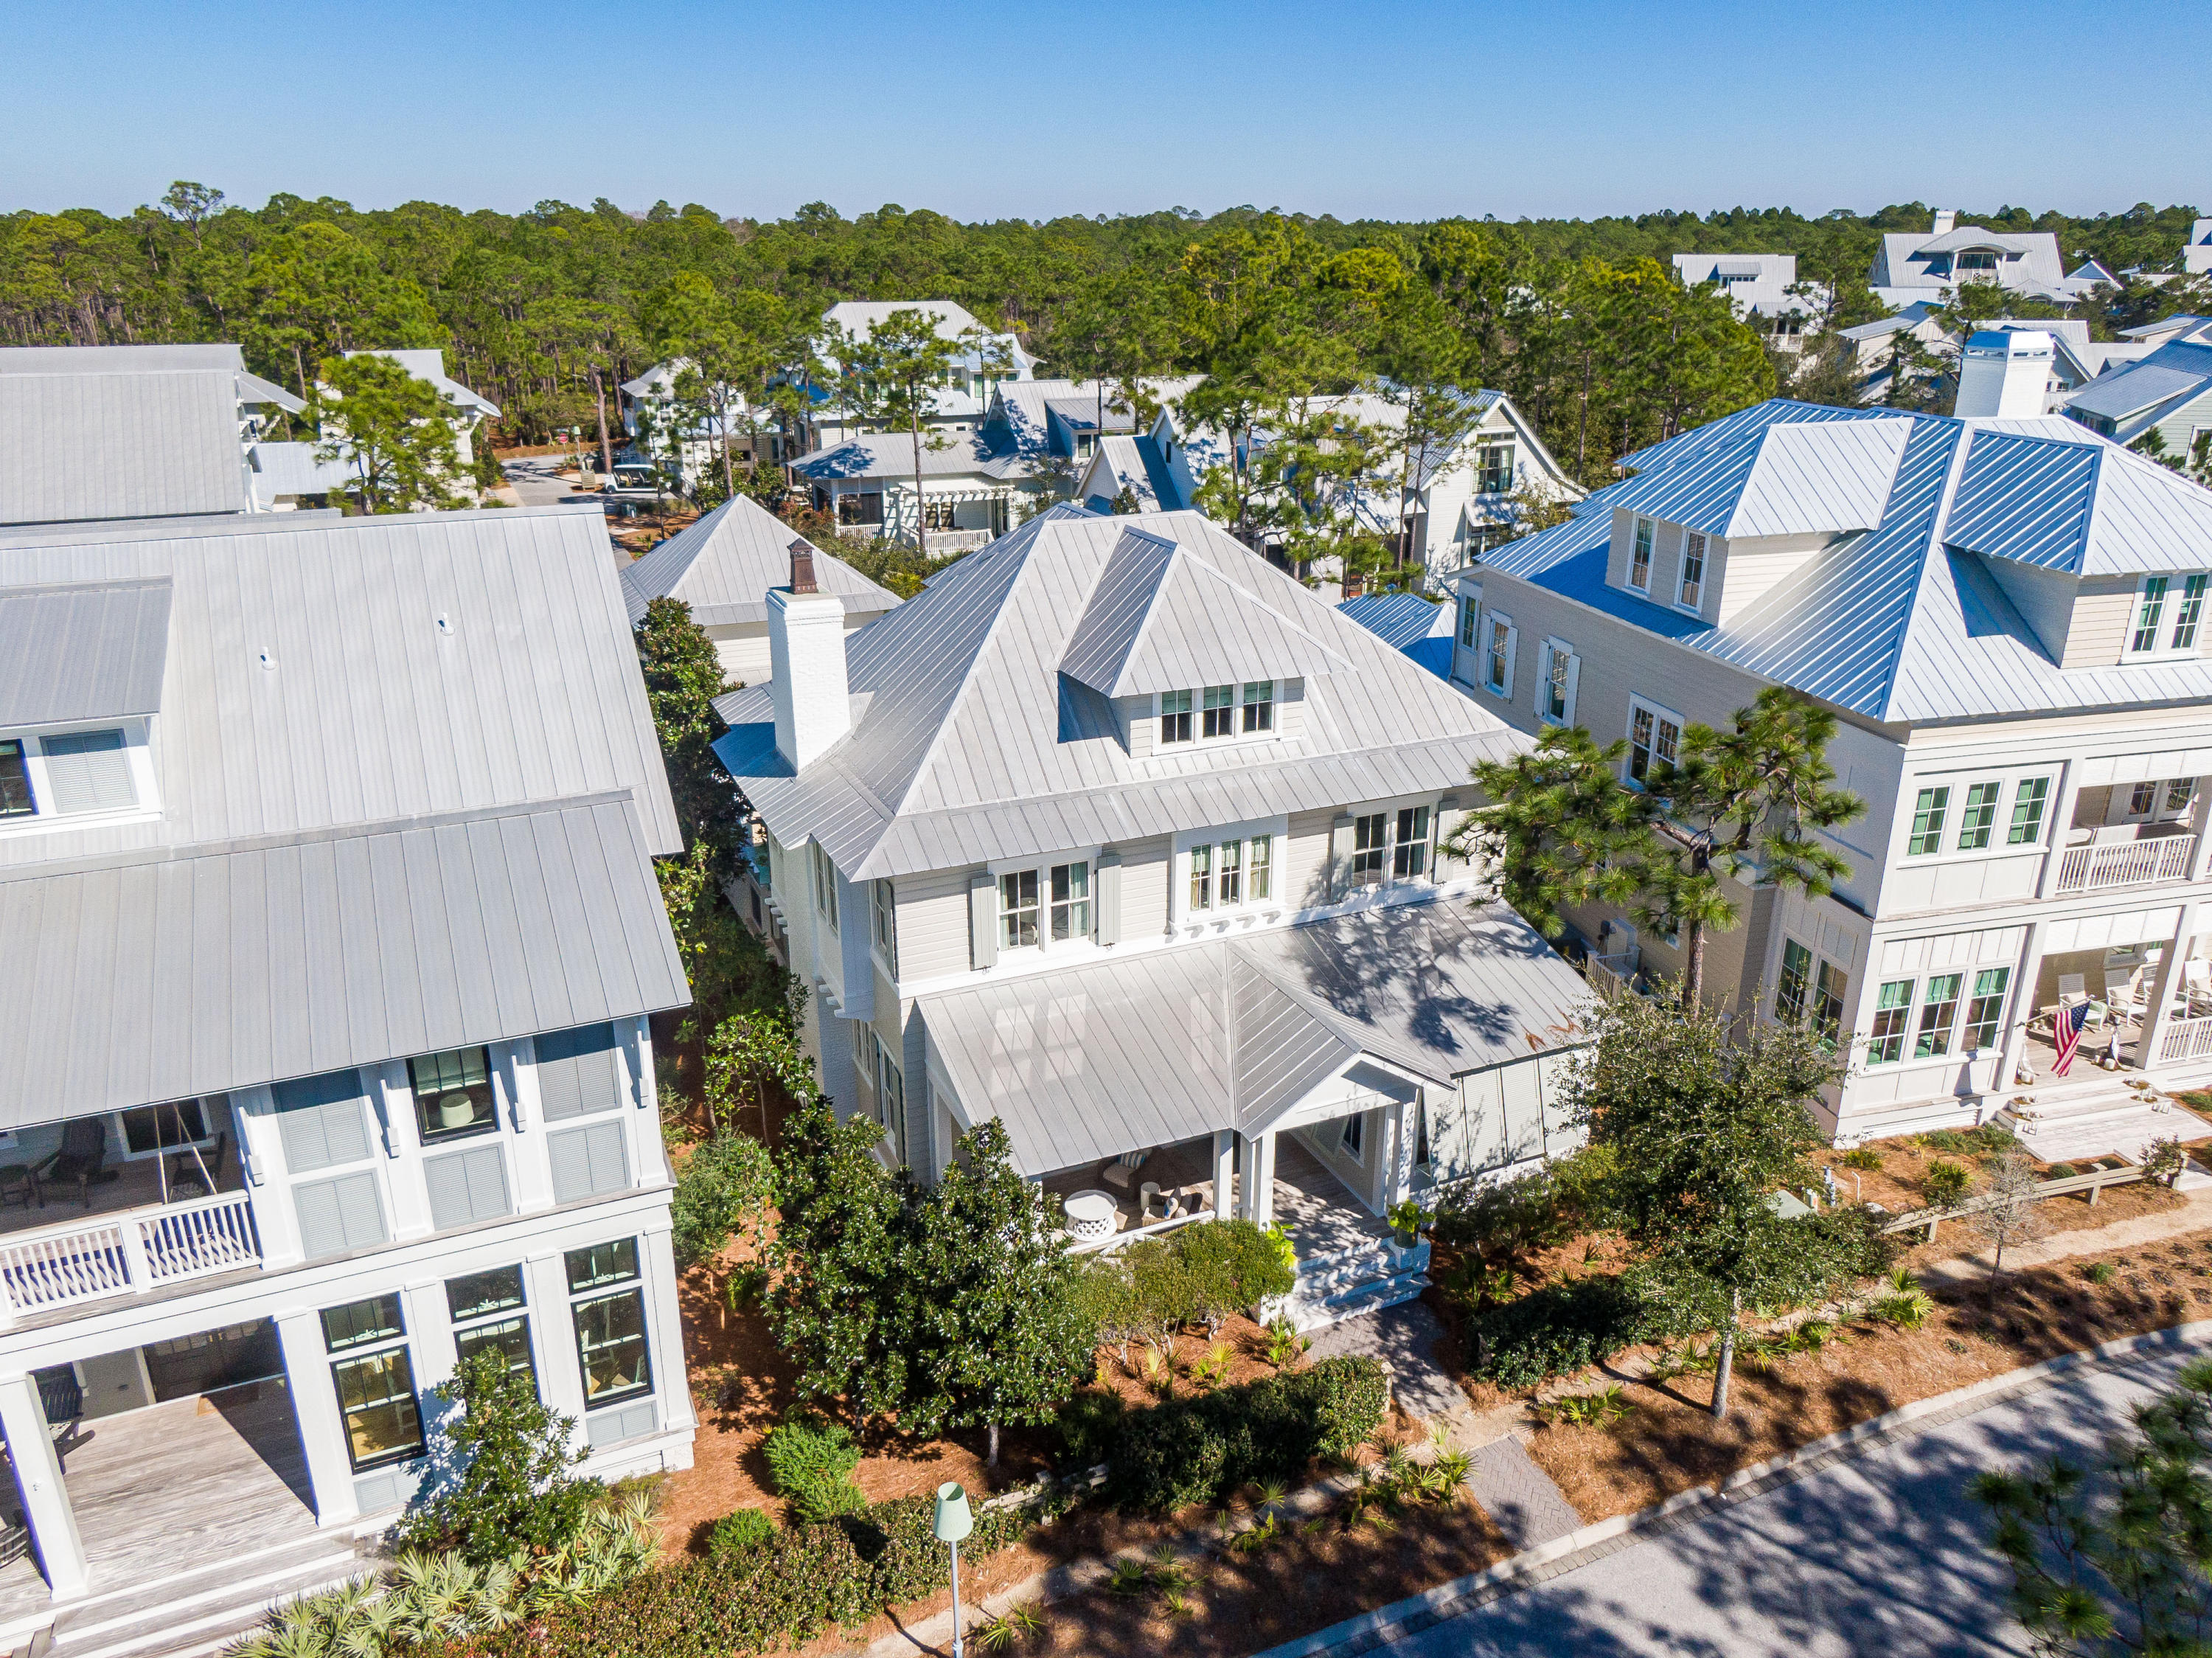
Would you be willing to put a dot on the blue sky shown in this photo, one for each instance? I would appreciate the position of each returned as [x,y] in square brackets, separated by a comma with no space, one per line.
[986,109]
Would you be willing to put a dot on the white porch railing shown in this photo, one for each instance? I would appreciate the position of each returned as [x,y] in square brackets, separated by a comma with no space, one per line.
[1612,976]
[1114,1240]
[2185,1039]
[132,1253]
[2124,863]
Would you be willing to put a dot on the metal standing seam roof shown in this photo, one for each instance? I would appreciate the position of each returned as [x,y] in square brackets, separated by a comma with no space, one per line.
[960,757]
[219,967]
[2145,386]
[1401,620]
[218,358]
[1128,1052]
[724,566]
[142,444]
[281,469]
[430,364]
[82,653]
[1134,464]
[889,456]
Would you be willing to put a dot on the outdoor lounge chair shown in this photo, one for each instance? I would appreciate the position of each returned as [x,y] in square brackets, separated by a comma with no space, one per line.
[198,1166]
[82,1157]
[1122,1171]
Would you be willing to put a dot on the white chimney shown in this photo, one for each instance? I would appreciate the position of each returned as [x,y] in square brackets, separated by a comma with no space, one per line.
[1947,221]
[806,656]
[2004,374]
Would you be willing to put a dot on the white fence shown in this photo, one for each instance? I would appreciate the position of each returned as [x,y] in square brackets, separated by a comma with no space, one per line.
[2124,863]
[2185,1039]
[129,1253]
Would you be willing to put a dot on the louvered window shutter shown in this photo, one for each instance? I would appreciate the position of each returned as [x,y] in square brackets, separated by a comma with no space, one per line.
[983,919]
[88,772]
[467,1187]
[338,1215]
[1543,678]
[1108,912]
[1574,677]
[1339,855]
[322,1120]
[577,1073]
[1512,647]
[587,1160]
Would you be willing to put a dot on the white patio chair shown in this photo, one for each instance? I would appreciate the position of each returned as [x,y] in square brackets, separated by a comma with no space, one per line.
[2197,986]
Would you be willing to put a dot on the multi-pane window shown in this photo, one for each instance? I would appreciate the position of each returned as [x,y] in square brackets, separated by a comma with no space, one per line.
[1229,872]
[1654,739]
[1939,1011]
[1370,843]
[1409,857]
[375,1381]
[1501,638]
[2177,793]
[1639,558]
[1201,877]
[2188,613]
[825,884]
[1174,717]
[1258,704]
[1468,612]
[1892,1006]
[1018,909]
[2142,798]
[452,1092]
[2028,801]
[2148,609]
[891,1094]
[1929,812]
[1555,685]
[611,1341]
[1220,714]
[1260,871]
[1979,816]
[1494,469]
[1828,986]
[489,1317]
[886,919]
[1693,569]
[1796,979]
[1986,1011]
[1351,1139]
[1071,901]
[15,800]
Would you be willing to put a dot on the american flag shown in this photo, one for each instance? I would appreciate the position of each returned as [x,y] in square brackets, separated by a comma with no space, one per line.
[2068,1031]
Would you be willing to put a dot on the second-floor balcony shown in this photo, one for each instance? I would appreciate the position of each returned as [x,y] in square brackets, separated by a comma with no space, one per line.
[2128,854]
[128,1229]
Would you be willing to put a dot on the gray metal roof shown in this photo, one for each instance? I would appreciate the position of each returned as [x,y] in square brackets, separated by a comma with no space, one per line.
[972,750]
[121,359]
[220,967]
[1902,621]
[723,566]
[891,455]
[114,444]
[2145,386]
[368,709]
[281,469]
[430,365]
[1146,1050]
[82,653]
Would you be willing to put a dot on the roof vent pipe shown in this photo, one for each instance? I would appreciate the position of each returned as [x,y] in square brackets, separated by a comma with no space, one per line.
[807,658]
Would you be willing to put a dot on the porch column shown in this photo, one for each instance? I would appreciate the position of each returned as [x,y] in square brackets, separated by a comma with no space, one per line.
[665,1331]
[1398,1148]
[1224,1175]
[2202,851]
[2062,820]
[2168,985]
[2028,974]
[315,1408]
[1258,1198]
[46,1509]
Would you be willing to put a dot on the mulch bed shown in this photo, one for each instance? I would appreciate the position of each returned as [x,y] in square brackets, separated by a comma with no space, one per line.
[1671,1442]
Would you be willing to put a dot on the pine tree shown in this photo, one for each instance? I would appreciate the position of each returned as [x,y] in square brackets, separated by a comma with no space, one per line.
[683,677]
[1561,829]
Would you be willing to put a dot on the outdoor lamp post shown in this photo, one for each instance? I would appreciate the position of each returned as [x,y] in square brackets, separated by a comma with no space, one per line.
[953,1522]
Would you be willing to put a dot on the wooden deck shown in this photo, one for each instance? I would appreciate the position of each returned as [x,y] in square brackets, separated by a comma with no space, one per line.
[136,1185]
[1311,1203]
[174,1488]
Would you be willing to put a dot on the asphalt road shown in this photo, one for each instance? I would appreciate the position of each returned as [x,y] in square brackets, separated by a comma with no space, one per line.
[1883,1555]
[532,476]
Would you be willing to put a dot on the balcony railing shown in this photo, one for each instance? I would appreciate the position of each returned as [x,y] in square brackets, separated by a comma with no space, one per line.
[128,1253]
[2185,1039]
[2124,863]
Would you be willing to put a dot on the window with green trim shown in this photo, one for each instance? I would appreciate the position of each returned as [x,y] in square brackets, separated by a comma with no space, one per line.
[1979,815]
[1985,1012]
[1796,979]
[2028,801]
[1893,1005]
[1929,812]
[1939,1011]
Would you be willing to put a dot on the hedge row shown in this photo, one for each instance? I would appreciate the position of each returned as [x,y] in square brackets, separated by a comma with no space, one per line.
[1202,1448]
[782,1591]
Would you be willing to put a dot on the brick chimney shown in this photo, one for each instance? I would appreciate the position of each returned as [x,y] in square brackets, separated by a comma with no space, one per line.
[802,568]
[807,658]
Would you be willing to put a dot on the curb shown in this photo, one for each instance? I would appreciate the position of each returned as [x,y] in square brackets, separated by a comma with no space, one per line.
[1431,1606]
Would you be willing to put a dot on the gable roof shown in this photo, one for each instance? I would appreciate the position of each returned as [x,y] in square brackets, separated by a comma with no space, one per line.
[1902,621]
[724,564]
[1146,1050]
[979,747]
[1133,464]
[891,455]
[142,444]
[2156,380]
[430,364]
[88,652]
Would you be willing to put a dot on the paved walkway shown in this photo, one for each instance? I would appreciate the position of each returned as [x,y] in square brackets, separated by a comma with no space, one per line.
[1872,1549]
[1514,1491]
[2195,1215]
[1405,1338]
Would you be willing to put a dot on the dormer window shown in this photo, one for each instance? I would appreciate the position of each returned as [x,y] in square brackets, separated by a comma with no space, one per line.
[15,780]
[1174,717]
[1693,571]
[68,774]
[2169,615]
[1259,706]
[1220,714]
[1639,557]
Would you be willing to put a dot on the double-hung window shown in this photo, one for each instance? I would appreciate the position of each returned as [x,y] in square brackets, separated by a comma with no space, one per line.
[1939,1011]
[1220,714]
[1796,979]
[1829,984]
[1174,717]
[1259,706]
[1370,837]
[1071,901]
[1498,657]
[490,1315]
[2142,799]
[1654,739]
[1202,878]
[1409,855]
[1985,1012]
[2188,613]
[1557,667]
[375,1381]
[1639,557]
[1892,1006]
[1494,469]
[607,1308]
[1469,612]
[1018,909]
[1693,571]
[1259,872]
[1928,811]
[2151,608]
[885,907]
[1228,875]
[1979,816]
[890,1096]
[825,884]
[453,1093]
[2029,799]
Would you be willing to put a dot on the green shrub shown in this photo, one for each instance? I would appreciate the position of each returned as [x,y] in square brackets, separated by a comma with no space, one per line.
[1864,1157]
[741,1529]
[1088,1423]
[2164,1159]
[1555,1330]
[1227,1266]
[1196,1450]
[1971,1141]
[511,1491]
[1945,1184]
[812,1460]
[2098,1273]
[2060,1172]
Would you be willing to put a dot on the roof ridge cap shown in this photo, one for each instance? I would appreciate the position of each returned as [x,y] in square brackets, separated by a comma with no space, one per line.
[1954,472]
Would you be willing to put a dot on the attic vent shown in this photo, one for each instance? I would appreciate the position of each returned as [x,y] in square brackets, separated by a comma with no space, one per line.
[802,568]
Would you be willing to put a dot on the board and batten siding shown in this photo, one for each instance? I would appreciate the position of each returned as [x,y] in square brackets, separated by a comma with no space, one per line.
[1145,867]
[1307,874]
[932,925]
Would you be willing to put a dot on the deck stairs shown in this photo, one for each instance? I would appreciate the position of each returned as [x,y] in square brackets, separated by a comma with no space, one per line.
[1354,1278]
[2099,1115]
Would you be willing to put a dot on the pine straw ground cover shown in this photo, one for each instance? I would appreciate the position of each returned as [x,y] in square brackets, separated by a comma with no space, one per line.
[1899,1184]
[1669,1441]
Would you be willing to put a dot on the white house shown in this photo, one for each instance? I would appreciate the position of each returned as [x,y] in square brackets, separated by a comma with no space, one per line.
[1759,285]
[129,431]
[724,564]
[466,410]
[972,486]
[2005,613]
[2197,252]
[331,939]
[1120,836]
[984,360]
[2167,391]
[695,442]
[1910,266]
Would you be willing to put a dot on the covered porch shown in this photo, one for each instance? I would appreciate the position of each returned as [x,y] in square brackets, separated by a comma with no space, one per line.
[2138,1009]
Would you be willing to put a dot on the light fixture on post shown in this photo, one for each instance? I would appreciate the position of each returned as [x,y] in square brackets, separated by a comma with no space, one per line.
[952,1523]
